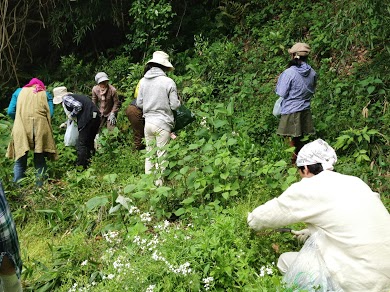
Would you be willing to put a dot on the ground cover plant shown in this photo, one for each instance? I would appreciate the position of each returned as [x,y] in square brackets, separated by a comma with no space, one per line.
[109,228]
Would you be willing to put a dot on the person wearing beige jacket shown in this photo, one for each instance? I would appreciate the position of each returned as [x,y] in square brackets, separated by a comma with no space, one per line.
[32,129]
[355,224]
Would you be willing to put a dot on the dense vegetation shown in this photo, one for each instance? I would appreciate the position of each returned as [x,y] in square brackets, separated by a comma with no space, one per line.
[109,228]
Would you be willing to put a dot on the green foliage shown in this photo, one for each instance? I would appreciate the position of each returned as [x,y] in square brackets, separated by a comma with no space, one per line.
[78,77]
[150,26]
[361,144]
[109,228]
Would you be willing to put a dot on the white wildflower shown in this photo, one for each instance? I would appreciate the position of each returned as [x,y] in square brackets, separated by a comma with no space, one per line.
[133,210]
[145,217]
[150,288]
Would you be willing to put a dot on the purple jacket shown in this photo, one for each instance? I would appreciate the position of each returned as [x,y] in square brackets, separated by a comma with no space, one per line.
[296,85]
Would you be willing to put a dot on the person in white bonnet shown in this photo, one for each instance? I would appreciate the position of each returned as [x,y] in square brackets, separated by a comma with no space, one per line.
[354,222]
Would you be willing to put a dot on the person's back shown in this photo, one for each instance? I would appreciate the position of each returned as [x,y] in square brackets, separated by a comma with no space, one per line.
[156,89]
[355,223]
[32,126]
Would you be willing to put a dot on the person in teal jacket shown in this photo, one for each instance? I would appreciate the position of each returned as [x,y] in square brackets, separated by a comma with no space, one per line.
[14,99]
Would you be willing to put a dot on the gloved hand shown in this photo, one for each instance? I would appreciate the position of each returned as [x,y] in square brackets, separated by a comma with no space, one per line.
[301,235]
[112,119]
[63,125]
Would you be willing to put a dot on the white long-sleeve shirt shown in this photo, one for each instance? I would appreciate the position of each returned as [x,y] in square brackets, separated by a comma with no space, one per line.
[356,245]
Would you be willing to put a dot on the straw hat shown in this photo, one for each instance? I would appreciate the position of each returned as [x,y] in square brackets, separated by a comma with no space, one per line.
[59,93]
[161,58]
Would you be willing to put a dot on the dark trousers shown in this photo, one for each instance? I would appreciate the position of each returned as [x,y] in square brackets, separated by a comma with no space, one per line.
[137,122]
[85,143]
[298,144]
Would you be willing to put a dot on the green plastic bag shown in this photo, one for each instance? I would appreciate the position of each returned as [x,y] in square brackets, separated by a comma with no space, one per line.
[183,116]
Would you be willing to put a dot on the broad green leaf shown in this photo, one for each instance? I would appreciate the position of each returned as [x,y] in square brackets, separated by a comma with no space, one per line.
[96,202]
[184,169]
[220,123]
[224,175]
[139,195]
[45,211]
[123,201]
[231,142]
[129,188]
[370,89]
[218,189]
[111,178]
[280,163]
[188,200]
[179,212]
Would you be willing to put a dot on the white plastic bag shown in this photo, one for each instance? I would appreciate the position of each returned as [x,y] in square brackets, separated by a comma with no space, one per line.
[71,134]
[309,271]
[277,107]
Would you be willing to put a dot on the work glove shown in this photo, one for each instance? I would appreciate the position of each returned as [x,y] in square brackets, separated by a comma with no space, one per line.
[63,125]
[301,235]
[112,119]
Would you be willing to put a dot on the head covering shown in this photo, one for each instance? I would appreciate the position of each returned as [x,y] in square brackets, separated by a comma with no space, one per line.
[100,77]
[299,49]
[59,93]
[39,86]
[162,58]
[315,152]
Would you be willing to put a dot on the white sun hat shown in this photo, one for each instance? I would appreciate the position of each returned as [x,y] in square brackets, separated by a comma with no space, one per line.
[59,93]
[162,58]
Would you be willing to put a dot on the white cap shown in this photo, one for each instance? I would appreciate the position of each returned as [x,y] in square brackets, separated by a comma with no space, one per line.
[100,77]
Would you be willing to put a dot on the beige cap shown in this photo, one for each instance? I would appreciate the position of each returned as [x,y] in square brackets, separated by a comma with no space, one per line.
[299,49]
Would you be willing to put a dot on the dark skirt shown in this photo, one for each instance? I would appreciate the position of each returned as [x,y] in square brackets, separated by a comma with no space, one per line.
[296,124]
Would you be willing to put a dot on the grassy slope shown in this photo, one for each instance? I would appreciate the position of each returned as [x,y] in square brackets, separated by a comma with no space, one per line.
[65,241]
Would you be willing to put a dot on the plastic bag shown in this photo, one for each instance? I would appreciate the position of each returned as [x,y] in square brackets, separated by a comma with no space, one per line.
[309,271]
[71,134]
[183,116]
[277,107]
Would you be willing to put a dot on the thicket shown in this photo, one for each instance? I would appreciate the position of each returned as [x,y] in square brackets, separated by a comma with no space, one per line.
[110,229]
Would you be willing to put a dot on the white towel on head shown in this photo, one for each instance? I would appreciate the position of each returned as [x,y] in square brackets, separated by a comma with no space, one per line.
[315,152]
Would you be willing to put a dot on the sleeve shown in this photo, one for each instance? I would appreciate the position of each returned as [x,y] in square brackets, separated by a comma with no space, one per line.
[115,98]
[282,211]
[137,89]
[50,102]
[140,98]
[75,105]
[284,84]
[12,105]
[94,96]
[174,101]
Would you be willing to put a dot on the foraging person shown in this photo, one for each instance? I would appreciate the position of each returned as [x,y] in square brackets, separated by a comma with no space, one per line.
[105,97]
[135,116]
[157,97]
[31,107]
[80,108]
[355,224]
[296,85]
[11,263]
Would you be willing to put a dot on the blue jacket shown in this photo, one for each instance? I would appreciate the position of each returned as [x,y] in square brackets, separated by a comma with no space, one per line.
[296,85]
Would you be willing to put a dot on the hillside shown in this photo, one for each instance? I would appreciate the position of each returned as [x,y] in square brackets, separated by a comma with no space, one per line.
[109,228]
